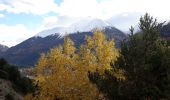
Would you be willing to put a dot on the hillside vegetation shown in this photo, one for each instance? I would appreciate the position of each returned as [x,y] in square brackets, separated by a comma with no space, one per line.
[96,70]
[12,85]
[7,92]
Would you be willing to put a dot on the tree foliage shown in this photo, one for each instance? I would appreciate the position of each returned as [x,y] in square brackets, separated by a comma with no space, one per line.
[145,57]
[97,70]
[147,62]
[63,72]
[11,73]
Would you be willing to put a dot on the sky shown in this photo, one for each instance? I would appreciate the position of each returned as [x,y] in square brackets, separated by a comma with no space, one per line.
[21,19]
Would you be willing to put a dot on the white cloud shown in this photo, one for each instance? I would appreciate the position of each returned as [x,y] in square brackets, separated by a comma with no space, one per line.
[122,12]
[2,15]
[83,8]
[156,8]
[79,8]
[3,6]
[125,20]
[50,21]
[108,8]
[58,21]
[38,7]
[12,35]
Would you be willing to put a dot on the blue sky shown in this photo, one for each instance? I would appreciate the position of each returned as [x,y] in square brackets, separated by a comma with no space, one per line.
[21,19]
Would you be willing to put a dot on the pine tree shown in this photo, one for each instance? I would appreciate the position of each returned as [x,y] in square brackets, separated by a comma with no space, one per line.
[143,57]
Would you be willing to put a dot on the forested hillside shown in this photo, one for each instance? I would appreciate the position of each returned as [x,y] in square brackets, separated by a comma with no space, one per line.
[13,86]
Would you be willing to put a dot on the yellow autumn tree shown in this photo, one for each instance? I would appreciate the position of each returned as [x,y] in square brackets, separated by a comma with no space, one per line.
[63,72]
[98,53]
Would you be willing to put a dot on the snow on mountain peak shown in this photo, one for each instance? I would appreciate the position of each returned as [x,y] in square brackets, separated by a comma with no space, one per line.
[88,25]
[83,25]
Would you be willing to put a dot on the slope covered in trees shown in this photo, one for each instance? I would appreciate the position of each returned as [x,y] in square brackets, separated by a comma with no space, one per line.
[12,85]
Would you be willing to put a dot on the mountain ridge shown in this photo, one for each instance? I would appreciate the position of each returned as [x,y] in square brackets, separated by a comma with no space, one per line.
[3,48]
[28,52]
[83,25]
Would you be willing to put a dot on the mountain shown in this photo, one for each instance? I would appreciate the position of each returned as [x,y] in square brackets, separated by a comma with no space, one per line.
[27,52]
[165,30]
[88,24]
[82,25]
[3,48]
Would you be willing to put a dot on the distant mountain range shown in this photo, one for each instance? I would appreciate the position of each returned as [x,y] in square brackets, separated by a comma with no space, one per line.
[3,48]
[28,52]
[83,25]
[165,30]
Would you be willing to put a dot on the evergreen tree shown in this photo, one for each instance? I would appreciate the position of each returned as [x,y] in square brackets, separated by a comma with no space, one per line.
[145,57]
[146,60]
[11,73]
